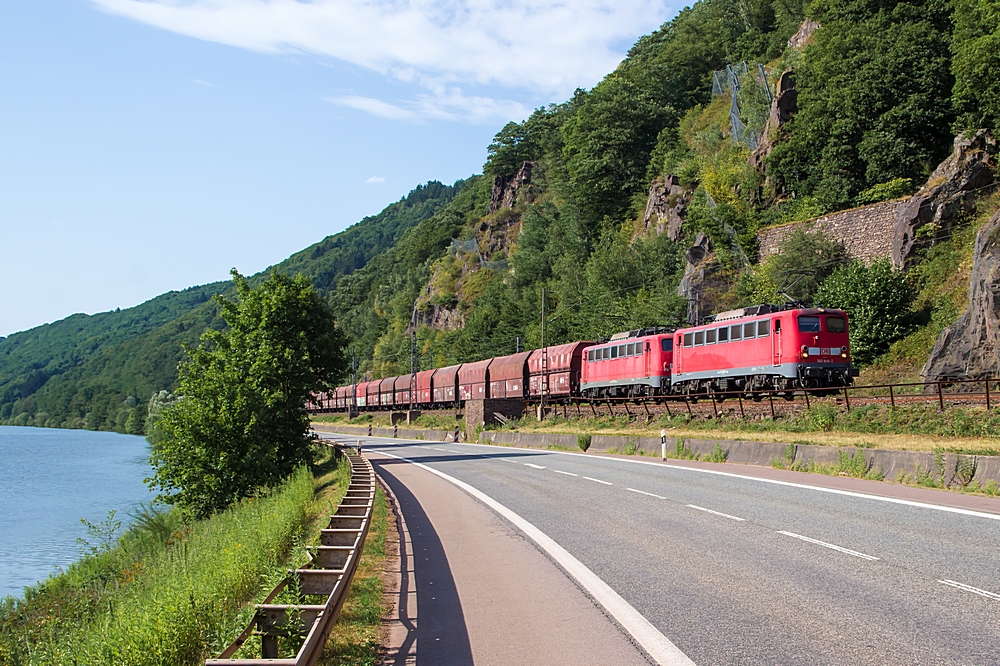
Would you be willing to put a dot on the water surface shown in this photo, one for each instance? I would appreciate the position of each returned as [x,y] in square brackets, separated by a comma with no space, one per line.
[51,478]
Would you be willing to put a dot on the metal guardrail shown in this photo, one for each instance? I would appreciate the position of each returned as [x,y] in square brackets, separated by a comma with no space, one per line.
[329,572]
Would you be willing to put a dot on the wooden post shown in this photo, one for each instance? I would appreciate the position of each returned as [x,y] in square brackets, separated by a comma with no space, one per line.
[940,398]
[667,405]
[739,396]
[806,394]
[578,414]
[847,400]
[892,397]
[770,399]
[591,403]
[987,394]
[714,409]
[688,403]
[625,402]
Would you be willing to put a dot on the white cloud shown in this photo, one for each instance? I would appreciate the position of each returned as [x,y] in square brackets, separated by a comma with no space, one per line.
[441,104]
[375,179]
[376,107]
[199,82]
[547,46]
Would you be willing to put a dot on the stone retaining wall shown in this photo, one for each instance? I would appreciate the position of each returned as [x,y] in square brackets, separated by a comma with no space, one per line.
[866,232]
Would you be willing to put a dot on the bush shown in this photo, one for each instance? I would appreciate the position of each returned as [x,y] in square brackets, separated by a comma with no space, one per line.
[583,441]
[895,188]
[877,299]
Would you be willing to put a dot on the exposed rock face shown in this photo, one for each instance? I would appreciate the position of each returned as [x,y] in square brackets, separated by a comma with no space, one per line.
[505,188]
[665,206]
[951,191]
[701,282]
[805,32]
[970,348]
[783,107]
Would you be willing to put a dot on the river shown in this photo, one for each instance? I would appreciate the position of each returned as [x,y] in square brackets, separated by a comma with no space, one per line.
[51,478]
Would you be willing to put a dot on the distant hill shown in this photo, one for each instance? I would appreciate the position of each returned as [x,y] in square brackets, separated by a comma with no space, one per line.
[97,370]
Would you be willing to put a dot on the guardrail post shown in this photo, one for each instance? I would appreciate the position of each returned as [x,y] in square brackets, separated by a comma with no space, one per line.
[770,400]
[715,409]
[940,397]
[806,394]
[892,398]
[847,400]
[739,396]
[666,403]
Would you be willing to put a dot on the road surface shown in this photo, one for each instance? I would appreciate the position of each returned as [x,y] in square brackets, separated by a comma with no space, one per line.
[702,567]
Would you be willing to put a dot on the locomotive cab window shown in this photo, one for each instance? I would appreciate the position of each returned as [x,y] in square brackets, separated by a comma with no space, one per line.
[631,349]
[748,330]
[763,328]
[638,348]
[835,325]
[724,334]
[621,351]
[699,338]
[666,344]
[606,353]
[736,332]
[710,337]
[808,324]
[777,326]
[688,339]
[614,352]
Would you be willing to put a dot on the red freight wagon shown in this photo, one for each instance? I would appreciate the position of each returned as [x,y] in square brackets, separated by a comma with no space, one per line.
[401,397]
[564,364]
[764,347]
[368,395]
[631,364]
[385,389]
[445,384]
[424,394]
[508,375]
[474,380]
[340,398]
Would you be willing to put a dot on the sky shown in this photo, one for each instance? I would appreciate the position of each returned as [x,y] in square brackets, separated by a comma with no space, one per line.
[152,145]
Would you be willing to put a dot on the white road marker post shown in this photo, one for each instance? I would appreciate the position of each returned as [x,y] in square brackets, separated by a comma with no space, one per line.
[359,447]
[455,438]
[663,444]
[395,430]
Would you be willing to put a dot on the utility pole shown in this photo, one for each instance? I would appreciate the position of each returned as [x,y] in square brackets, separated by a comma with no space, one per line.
[414,368]
[545,363]
[517,345]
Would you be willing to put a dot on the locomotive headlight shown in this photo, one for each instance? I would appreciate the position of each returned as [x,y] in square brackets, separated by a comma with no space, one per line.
[843,352]
[805,352]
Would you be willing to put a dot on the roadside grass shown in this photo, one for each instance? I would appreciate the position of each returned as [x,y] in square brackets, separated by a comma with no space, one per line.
[170,591]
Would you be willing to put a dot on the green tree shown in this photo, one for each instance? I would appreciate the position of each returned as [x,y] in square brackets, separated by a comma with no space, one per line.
[241,422]
[877,299]
[976,61]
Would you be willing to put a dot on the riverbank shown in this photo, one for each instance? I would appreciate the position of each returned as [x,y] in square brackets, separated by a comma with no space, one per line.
[175,592]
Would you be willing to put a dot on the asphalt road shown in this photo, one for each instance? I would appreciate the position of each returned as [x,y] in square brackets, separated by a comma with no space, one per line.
[739,571]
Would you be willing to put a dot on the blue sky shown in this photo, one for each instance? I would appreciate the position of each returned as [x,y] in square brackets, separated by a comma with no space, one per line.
[150,145]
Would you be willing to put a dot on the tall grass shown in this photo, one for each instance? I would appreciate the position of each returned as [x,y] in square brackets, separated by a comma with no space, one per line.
[169,593]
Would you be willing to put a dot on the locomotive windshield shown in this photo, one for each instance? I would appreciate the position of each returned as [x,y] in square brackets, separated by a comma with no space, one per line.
[809,324]
[667,344]
[835,325]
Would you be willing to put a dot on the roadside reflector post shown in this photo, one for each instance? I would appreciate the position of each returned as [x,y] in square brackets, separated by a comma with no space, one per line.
[359,447]
[663,444]
[395,430]
[455,438]
[369,429]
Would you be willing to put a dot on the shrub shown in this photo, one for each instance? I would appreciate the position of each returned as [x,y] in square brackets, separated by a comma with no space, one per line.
[583,441]
[895,188]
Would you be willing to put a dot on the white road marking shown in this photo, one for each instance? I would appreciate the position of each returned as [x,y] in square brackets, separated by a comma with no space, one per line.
[533,465]
[513,462]
[643,492]
[839,549]
[437,449]
[716,513]
[642,630]
[450,451]
[969,588]
[607,483]
[559,471]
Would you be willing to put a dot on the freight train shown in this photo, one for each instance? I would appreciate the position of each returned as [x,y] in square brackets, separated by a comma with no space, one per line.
[745,352]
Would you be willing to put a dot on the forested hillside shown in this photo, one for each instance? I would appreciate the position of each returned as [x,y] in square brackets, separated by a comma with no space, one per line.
[639,202]
[99,371]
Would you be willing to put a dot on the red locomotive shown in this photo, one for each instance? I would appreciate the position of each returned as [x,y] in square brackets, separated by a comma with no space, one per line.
[748,350]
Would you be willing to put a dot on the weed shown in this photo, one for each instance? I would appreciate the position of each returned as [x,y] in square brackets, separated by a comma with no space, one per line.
[717,456]
[101,535]
[630,447]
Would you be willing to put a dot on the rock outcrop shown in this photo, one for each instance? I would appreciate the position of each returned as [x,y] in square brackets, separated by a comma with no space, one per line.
[506,188]
[950,192]
[783,107]
[970,348]
[665,206]
[701,283]
[804,34]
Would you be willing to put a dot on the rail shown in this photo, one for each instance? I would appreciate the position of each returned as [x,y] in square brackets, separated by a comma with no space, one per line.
[328,573]
[940,392]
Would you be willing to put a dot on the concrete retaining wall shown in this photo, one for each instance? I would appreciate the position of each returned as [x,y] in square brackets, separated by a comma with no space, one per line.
[893,464]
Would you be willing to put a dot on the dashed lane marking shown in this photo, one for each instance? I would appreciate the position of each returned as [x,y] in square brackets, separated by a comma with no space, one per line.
[656,645]
[533,465]
[512,462]
[607,483]
[714,513]
[839,549]
[643,492]
[559,471]
[969,588]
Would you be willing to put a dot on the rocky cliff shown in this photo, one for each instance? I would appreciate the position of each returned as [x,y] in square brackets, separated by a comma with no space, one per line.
[970,348]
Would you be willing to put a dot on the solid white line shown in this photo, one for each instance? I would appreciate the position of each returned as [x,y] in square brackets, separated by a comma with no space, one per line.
[559,471]
[643,492]
[533,465]
[839,549]
[969,588]
[717,513]
[607,483]
[642,630]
